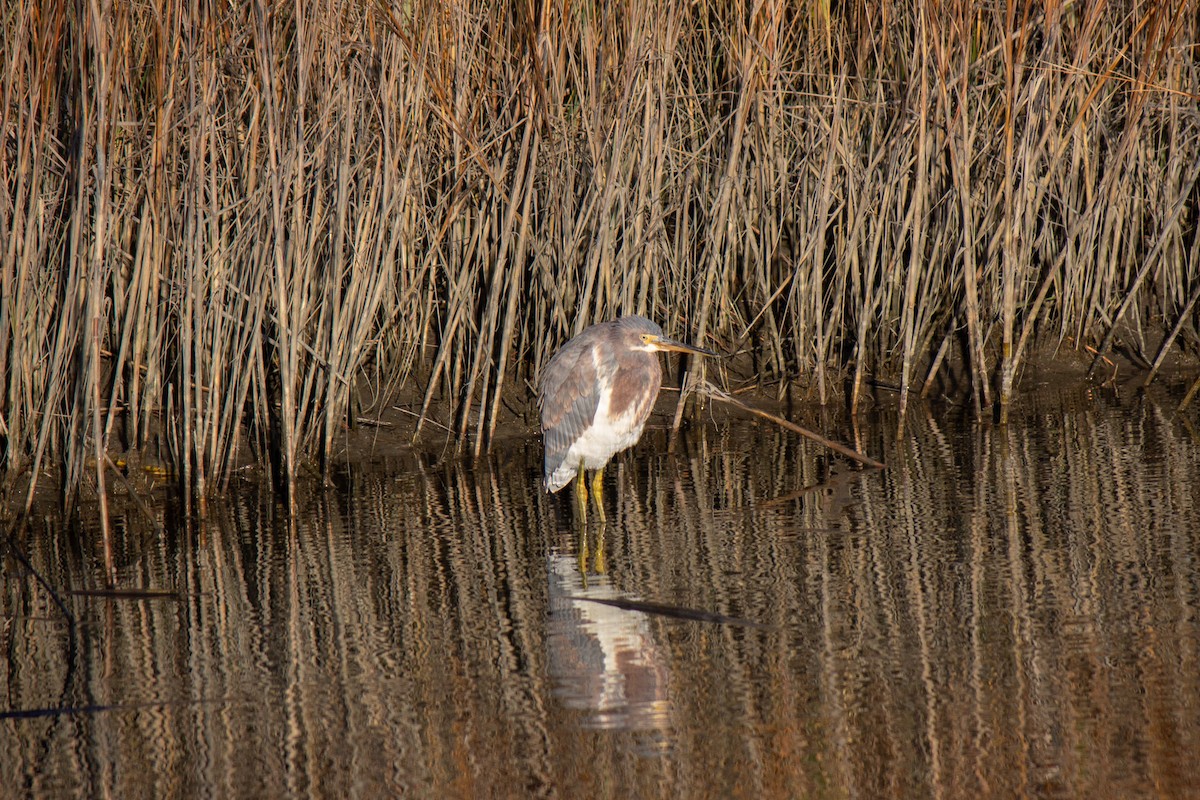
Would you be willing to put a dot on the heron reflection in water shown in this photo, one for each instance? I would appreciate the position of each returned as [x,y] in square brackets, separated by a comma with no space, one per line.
[604,660]
[596,394]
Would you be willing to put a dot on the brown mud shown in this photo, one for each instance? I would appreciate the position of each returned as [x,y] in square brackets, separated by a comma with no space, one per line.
[1053,378]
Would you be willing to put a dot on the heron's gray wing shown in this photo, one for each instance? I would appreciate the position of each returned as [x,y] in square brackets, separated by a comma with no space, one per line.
[569,397]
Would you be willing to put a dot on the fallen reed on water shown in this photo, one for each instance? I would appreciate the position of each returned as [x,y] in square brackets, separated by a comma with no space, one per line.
[226,225]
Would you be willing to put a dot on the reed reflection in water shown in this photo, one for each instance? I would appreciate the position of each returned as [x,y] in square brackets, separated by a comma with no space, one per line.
[1003,612]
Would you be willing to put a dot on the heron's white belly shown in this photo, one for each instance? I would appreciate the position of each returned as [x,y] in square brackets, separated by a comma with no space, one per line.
[601,440]
[598,443]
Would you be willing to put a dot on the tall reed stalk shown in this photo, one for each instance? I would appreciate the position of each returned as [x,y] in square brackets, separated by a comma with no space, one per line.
[220,224]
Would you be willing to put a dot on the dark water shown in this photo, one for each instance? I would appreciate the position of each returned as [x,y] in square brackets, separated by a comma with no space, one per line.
[1003,612]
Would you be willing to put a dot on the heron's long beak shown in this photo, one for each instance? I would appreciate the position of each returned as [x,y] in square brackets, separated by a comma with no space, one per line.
[663,343]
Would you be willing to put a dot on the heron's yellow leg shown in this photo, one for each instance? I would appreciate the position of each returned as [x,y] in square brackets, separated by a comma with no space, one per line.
[591,561]
[598,493]
[598,558]
[583,555]
[581,496]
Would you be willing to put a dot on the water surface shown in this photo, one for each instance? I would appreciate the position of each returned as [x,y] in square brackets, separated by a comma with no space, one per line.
[1005,611]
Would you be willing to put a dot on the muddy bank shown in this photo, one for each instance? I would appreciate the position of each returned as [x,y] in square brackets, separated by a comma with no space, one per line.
[388,435]
[1053,378]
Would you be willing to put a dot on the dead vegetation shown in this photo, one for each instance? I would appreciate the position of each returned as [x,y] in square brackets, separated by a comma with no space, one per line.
[221,221]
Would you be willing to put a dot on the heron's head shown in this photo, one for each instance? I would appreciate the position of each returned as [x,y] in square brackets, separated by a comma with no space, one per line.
[647,337]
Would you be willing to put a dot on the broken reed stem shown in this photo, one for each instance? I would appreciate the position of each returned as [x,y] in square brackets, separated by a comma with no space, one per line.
[706,389]
[1190,395]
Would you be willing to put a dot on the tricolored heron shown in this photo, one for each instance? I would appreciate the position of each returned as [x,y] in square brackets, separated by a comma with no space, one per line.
[596,395]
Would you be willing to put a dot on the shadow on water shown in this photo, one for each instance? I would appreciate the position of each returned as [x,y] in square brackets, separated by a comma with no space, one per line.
[1003,612]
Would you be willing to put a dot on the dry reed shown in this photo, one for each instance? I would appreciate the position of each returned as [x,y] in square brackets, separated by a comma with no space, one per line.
[221,223]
